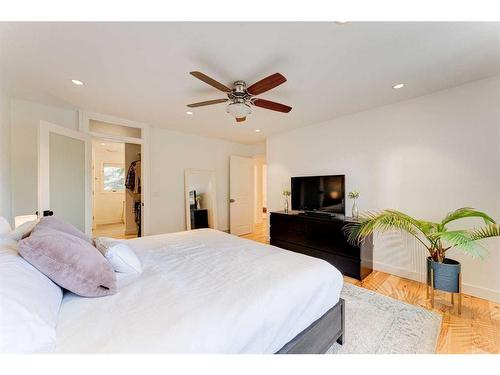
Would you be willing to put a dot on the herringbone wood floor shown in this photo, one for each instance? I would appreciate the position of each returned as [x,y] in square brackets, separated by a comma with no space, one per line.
[476,330]
[112,230]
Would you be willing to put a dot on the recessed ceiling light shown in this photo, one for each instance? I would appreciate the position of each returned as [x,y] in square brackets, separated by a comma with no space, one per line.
[103,144]
[398,86]
[77,82]
[189,113]
[257,130]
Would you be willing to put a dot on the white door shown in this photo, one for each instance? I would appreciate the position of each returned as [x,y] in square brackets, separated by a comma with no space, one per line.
[62,174]
[241,195]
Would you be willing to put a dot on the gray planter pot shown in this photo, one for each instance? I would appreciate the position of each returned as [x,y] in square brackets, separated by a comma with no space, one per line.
[446,275]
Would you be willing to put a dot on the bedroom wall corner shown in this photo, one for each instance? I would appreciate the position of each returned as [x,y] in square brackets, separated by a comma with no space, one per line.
[259,149]
[5,157]
[174,152]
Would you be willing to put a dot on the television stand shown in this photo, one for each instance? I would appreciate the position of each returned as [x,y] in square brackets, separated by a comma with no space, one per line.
[322,237]
[323,214]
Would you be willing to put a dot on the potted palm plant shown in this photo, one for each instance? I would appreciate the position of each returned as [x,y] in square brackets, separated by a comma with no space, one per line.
[442,272]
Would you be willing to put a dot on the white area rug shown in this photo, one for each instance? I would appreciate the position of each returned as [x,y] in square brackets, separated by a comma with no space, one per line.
[376,324]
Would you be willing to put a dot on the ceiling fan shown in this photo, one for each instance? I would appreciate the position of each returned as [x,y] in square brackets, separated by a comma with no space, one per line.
[241,97]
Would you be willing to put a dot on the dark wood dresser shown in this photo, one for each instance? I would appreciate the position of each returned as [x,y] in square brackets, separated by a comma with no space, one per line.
[322,238]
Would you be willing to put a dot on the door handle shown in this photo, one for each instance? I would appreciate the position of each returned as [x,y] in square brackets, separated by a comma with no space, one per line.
[231,200]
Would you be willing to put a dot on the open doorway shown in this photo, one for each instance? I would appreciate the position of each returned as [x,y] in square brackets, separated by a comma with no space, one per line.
[116,189]
[259,227]
[260,201]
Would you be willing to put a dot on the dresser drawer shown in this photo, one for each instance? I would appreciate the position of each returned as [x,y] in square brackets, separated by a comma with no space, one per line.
[320,234]
[347,266]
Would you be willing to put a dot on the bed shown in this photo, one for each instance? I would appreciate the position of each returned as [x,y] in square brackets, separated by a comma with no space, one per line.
[205,291]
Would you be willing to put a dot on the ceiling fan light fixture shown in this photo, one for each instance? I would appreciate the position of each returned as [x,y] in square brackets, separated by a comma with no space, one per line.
[238,109]
[241,98]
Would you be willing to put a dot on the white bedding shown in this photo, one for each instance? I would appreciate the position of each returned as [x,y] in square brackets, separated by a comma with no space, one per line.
[202,291]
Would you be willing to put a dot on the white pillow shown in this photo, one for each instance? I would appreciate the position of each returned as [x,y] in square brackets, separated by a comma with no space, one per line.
[121,257]
[9,243]
[23,230]
[5,227]
[29,306]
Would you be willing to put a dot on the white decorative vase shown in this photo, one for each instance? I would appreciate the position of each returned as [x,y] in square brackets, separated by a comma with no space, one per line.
[286,205]
[355,211]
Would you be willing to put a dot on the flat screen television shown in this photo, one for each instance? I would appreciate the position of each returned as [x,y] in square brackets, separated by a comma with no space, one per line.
[319,193]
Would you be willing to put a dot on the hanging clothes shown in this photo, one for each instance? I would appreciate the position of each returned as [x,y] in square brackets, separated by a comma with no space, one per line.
[133,180]
[137,177]
[130,179]
[137,211]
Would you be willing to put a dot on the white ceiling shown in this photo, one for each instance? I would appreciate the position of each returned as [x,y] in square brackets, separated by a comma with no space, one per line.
[102,146]
[139,71]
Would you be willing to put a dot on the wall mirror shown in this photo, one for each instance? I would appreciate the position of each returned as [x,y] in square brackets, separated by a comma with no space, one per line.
[200,199]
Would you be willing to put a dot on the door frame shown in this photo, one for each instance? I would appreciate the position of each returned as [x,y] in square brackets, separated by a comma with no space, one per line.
[84,126]
[43,180]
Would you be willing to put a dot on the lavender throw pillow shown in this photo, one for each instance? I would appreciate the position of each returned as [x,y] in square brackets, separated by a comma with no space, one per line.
[53,222]
[69,261]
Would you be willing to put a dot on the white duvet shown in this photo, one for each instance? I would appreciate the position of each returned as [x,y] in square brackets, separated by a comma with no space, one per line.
[202,291]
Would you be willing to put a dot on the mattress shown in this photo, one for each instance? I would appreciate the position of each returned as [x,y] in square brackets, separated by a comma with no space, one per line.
[202,291]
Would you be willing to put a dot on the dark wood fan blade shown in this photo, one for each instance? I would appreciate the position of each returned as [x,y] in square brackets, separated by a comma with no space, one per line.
[273,106]
[208,102]
[266,84]
[212,82]
[240,119]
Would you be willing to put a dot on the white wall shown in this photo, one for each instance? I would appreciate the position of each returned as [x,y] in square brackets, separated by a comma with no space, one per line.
[108,206]
[173,152]
[424,156]
[259,149]
[5,158]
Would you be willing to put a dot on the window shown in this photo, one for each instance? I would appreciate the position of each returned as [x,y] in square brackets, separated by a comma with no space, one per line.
[114,129]
[113,177]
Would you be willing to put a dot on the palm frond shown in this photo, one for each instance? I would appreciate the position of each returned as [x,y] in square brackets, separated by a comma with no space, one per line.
[492,230]
[427,227]
[462,239]
[383,221]
[465,212]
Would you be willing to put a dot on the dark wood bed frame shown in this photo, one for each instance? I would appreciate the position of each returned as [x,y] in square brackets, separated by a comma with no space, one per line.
[321,334]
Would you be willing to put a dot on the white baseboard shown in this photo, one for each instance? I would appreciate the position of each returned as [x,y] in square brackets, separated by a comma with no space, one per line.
[473,290]
[398,271]
[481,292]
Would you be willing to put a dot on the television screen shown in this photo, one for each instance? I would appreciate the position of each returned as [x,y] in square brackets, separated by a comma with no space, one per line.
[325,193]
